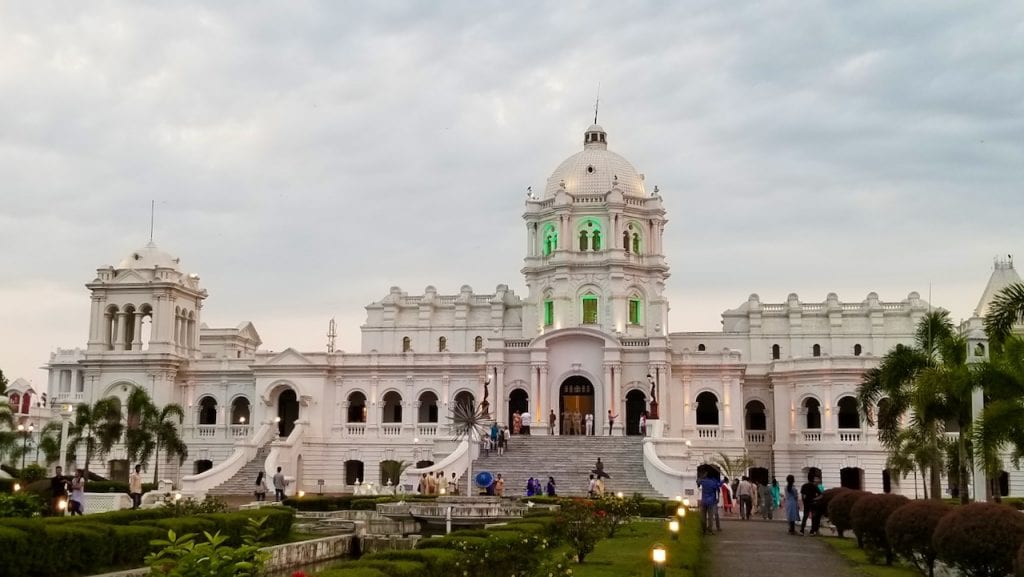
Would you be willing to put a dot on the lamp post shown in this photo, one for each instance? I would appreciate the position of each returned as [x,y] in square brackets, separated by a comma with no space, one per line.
[673,526]
[658,557]
[65,417]
[25,433]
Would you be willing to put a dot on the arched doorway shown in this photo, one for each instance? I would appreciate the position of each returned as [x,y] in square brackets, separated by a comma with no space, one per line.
[636,404]
[202,465]
[851,478]
[287,412]
[575,402]
[518,400]
[758,475]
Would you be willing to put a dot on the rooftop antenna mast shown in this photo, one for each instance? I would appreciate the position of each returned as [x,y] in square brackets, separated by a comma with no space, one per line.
[152,217]
[597,101]
[332,333]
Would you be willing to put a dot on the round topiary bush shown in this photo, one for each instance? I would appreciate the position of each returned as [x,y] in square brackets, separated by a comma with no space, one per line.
[839,510]
[1020,562]
[826,498]
[980,539]
[910,529]
[868,517]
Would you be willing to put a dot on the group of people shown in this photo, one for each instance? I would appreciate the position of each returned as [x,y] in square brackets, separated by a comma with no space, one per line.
[280,484]
[533,487]
[765,498]
[67,492]
[573,423]
[496,439]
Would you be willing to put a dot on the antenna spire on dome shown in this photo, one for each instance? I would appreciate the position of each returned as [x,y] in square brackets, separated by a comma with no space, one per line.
[597,101]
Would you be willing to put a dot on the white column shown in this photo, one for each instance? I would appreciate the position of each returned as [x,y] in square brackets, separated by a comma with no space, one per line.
[120,329]
[534,383]
[980,480]
[137,336]
[542,389]
[499,395]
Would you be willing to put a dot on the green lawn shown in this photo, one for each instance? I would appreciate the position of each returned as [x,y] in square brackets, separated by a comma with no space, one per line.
[857,557]
[629,553]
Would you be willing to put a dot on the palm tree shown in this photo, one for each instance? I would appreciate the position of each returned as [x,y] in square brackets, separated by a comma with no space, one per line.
[8,436]
[732,467]
[97,426]
[49,441]
[932,383]
[151,428]
[1005,311]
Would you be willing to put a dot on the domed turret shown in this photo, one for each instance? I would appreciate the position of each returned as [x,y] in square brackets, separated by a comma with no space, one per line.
[595,170]
[149,256]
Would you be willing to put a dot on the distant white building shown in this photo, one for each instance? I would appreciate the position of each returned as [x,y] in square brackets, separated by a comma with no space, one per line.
[590,336]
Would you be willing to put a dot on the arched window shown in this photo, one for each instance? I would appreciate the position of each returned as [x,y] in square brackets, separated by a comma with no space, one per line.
[110,327]
[353,472]
[466,399]
[635,317]
[812,408]
[549,313]
[428,408]
[755,419]
[583,240]
[886,481]
[595,241]
[816,350]
[356,408]
[701,348]
[776,352]
[240,411]
[857,350]
[391,407]
[883,410]
[849,418]
[625,241]
[549,239]
[707,408]
[478,344]
[442,344]
[208,411]
[15,401]
[406,344]
[589,306]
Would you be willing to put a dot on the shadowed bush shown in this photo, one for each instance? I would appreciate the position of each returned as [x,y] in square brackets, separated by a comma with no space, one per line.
[980,539]
[826,498]
[839,509]
[910,529]
[868,517]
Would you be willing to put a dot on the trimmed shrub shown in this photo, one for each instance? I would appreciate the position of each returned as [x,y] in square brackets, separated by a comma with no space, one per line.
[15,552]
[21,504]
[823,501]
[364,505]
[910,529]
[352,572]
[127,516]
[436,561]
[868,517]
[980,539]
[181,525]
[394,568]
[839,510]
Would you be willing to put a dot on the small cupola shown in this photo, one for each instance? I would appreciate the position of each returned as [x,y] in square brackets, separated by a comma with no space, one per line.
[595,137]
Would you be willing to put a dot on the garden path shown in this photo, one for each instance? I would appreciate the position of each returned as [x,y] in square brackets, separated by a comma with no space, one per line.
[759,548]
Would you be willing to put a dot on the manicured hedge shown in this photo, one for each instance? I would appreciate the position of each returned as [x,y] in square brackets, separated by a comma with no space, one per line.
[839,510]
[910,529]
[353,572]
[61,546]
[345,502]
[825,498]
[980,539]
[869,516]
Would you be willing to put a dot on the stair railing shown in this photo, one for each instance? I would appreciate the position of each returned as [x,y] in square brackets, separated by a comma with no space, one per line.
[285,453]
[458,462]
[665,480]
[245,451]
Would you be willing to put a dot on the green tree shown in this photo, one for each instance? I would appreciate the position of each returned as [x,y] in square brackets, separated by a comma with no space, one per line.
[3,382]
[49,442]
[732,466]
[97,426]
[151,428]
[8,434]
[1001,425]
[1005,311]
[929,381]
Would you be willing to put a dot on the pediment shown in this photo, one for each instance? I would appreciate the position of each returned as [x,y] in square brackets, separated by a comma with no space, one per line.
[129,277]
[248,331]
[289,356]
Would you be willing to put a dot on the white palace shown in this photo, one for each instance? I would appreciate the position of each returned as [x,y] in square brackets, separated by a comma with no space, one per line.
[590,335]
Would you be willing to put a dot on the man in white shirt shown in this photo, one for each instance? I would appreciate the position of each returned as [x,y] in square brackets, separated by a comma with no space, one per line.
[745,494]
[590,424]
[135,487]
[526,422]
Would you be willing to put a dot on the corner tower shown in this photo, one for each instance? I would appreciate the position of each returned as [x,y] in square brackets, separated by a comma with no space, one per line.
[595,247]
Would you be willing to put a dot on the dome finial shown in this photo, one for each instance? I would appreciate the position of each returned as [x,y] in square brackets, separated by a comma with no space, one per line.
[597,101]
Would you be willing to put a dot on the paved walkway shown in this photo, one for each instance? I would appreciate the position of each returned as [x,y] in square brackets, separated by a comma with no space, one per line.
[759,548]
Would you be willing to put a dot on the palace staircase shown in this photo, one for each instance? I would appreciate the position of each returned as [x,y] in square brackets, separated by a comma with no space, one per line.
[569,459]
[244,481]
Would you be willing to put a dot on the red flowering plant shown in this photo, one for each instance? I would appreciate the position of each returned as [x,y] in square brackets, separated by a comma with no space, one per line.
[618,510]
[581,524]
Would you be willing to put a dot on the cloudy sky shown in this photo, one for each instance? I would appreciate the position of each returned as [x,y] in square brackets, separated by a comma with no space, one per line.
[305,156]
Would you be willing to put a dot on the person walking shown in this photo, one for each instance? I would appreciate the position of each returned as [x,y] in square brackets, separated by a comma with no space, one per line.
[551,487]
[792,504]
[279,484]
[590,487]
[764,501]
[599,470]
[590,424]
[745,494]
[526,422]
[727,497]
[517,423]
[453,485]
[135,487]
[809,492]
[611,422]
[776,496]
[552,421]
[495,431]
[643,423]
[709,487]
[77,502]
[499,486]
[529,487]
[503,436]
[261,486]
[58,492]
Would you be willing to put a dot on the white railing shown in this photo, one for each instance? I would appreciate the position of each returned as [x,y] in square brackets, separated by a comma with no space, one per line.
[206,431]
[391,430]
[427,431]
[284,453]
[239,431]
[354,430]
[663,478]
[707,431]
[849,436]
[245,451]
[456,462]
[68,397]
[517,343]
[812,437]
[757,438]
[635,342]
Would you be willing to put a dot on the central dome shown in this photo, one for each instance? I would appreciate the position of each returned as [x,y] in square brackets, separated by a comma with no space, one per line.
[149,256]
[595,170]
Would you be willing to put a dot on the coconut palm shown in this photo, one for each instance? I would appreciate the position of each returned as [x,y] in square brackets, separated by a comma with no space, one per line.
[49,441]
[97,426]
[732,467]
[1001,425]
[150,429]
[929,382]
[1005,311]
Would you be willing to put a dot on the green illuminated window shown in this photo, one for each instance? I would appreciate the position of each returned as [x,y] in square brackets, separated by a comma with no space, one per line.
[549,313]
[589,309]
[634,311]
[549,239]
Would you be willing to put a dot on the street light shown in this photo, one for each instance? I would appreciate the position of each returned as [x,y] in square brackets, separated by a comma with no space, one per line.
[24,443]
[673,526]
[658,557]
[681,512]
